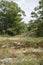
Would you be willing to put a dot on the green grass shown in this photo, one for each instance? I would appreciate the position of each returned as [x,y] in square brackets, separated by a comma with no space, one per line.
[33,41]
[26,41]
[26,63]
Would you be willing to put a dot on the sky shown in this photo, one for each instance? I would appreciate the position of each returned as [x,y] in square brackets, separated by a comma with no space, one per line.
[27,6]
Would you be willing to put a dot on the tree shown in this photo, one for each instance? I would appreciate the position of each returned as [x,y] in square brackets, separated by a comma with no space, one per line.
[37,15]
[32,25]
[10,17]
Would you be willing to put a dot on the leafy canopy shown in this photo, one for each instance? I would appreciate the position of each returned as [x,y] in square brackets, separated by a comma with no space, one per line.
[37,21]
[10,18]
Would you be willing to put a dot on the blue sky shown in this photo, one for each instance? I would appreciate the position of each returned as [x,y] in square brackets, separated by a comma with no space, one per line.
[27,6]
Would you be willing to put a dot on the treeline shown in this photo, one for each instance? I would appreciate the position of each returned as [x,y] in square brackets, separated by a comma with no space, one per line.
[11,18]
[11,21]
[36,24]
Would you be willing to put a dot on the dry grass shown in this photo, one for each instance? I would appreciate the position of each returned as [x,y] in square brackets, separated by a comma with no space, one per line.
[8,50]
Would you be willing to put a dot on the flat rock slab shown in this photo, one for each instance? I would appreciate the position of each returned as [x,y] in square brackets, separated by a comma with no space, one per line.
[8,38]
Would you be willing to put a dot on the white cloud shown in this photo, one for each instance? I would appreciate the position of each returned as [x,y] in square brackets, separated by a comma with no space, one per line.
[27,6]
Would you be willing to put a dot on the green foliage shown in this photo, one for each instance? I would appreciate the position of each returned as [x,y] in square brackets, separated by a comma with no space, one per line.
[10,18]
[32,25]
[37,16]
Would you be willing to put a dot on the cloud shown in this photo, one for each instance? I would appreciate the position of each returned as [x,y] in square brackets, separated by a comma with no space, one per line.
[27,6]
